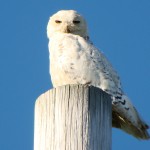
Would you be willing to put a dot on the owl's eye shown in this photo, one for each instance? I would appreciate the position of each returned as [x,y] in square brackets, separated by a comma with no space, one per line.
[76,21]
[58,21]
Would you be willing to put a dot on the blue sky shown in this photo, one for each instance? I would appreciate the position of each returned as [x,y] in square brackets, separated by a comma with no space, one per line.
[121,29]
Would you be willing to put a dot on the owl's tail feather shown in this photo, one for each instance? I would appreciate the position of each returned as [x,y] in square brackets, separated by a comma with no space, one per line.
[139,132]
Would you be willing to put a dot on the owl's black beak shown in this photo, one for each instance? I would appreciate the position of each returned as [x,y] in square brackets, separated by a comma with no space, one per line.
[67,30]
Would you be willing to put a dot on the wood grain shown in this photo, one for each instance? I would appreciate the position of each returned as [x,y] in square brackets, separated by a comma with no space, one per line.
[73,117]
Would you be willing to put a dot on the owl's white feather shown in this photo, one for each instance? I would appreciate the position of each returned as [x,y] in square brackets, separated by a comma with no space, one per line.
[75,60]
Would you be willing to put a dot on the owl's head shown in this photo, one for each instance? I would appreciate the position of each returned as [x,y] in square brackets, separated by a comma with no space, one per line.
[67,21]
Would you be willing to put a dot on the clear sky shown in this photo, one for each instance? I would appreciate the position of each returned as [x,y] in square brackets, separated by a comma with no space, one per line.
[121,29]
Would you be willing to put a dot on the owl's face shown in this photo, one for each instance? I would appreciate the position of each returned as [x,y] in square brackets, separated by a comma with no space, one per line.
[67,21]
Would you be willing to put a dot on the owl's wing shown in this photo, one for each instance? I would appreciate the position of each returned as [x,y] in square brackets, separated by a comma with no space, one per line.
[108,73]
[112,72]
[124,114]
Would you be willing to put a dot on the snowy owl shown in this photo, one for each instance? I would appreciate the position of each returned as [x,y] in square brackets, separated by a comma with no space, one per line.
[75,60]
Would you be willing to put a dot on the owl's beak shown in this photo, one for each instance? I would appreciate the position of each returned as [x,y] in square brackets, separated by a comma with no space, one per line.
[67,30]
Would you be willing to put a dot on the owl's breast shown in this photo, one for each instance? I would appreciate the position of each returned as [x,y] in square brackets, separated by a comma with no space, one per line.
[70,63]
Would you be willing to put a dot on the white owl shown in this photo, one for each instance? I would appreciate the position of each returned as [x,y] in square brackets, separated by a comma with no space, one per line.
[75,60]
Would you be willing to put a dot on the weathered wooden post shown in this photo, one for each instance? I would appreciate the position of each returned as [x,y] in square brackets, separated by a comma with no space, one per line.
[73,117]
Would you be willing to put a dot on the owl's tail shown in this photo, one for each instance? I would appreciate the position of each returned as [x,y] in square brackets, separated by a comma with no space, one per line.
[126,117]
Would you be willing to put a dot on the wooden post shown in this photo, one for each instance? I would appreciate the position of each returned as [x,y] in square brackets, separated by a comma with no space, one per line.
[73,117]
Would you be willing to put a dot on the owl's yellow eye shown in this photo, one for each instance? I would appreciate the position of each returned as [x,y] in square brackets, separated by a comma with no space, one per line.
[58,21]
[76,21]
